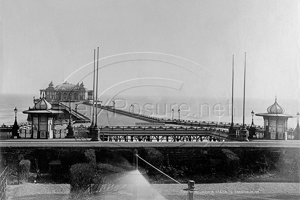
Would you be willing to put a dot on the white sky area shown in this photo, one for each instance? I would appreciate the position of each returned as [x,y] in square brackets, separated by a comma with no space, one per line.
[192,43]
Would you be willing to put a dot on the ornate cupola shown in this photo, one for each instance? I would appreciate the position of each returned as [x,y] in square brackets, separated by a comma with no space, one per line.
[275,108]
[42,104]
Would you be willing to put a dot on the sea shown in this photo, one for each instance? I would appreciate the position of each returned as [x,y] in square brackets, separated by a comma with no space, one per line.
[200,109]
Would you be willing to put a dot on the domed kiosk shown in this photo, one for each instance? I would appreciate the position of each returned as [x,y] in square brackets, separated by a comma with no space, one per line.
[275,122]
[42,116]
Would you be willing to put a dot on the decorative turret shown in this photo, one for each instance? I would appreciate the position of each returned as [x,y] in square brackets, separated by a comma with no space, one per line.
[42,104]
[275,108]
[50,84]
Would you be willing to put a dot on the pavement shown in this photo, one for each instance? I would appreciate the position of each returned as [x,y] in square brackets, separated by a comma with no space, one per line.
[232,191]
[87,143]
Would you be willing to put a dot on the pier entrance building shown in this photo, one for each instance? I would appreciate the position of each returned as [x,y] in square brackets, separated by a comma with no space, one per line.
[275,122]
[42,117]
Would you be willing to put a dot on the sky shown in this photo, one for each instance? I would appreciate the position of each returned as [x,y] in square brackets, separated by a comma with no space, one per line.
[153,48]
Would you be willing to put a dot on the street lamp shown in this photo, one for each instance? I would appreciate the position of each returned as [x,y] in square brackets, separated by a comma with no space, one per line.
[15,127]
[132,108]
[15,110]
[172,114]
[252,113]
[70,127]
[76,105]
[114,104]
[252,127]
[179,114]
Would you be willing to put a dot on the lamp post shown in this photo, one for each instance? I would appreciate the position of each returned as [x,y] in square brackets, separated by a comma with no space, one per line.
[15,127]
[252,127]
[114,106]
[132,108]
[172,114]
[252,113]
[15,110]
[296,134]
[76,105]
[179,114]
[70,127]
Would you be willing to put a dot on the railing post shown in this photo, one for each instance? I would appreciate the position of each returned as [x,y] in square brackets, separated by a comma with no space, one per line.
[136,161]
[191,188]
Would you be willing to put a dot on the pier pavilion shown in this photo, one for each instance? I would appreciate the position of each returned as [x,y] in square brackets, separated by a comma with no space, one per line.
[275,122]
[66,92]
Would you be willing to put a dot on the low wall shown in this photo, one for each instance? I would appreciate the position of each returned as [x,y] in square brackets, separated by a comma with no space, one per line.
[185,162]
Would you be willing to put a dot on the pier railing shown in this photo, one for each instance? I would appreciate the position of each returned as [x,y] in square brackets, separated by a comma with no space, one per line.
[3,183]
[5,132]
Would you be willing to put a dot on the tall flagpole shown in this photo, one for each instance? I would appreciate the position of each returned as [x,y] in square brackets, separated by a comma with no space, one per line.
[93,116]
[244,92]
[232,91]
[97,86]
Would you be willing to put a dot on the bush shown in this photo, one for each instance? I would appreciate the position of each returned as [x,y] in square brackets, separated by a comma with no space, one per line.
[231,163]
[90,156]
[24,169]
[81,176]
[96,177]
[155,158]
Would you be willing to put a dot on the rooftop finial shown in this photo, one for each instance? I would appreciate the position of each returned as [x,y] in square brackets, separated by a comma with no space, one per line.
[275,98]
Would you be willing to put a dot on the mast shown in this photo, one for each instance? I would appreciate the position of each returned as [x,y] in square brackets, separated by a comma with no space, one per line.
[244,92]
[97,86]
[232,85]
[93,115]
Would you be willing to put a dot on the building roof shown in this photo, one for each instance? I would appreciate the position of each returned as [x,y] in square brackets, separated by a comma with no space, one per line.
[274,115]
[274,110]
[69,86]
[43,112]
[42,106]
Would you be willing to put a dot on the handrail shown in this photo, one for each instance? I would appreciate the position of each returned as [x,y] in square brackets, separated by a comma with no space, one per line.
[3,183]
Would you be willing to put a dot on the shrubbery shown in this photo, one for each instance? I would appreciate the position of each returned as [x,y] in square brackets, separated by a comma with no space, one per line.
[81,176]
[154,157]
[90,156]
[24,169]
[94,178]
[230,163]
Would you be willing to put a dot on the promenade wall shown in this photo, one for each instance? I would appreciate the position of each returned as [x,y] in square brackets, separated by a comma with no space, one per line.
[188,162]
